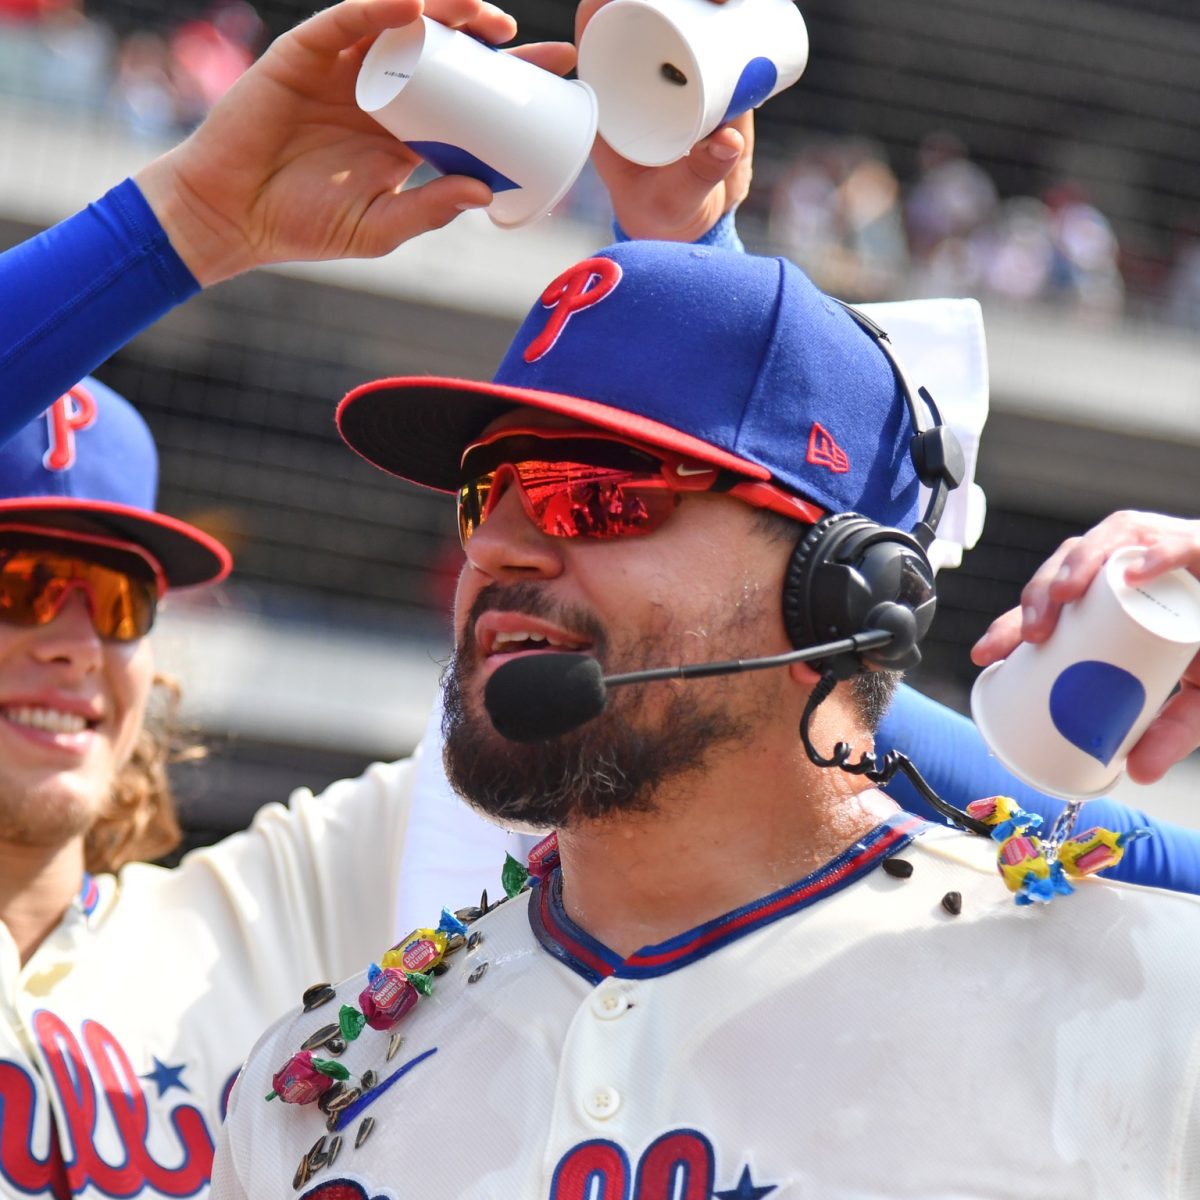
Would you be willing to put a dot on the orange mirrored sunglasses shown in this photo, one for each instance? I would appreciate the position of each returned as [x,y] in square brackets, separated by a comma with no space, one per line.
[575,483]
[38,572]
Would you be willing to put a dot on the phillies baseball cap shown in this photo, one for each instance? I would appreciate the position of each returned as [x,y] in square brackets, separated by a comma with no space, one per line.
[88,465]
[730,359]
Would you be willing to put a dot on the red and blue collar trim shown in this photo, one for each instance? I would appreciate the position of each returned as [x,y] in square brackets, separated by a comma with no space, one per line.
[89,895]
[577,949]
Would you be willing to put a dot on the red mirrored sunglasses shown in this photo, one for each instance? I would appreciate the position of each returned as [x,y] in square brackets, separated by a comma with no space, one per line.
[575,483]
[39,571]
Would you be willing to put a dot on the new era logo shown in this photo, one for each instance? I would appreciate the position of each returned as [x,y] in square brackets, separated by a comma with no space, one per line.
[823,451]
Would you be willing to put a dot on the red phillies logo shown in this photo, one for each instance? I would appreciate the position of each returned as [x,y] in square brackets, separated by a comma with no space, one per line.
[102,1118]
[68,414]
[580,287]
[823,451]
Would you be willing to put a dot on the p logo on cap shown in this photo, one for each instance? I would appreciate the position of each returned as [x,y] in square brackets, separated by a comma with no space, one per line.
[577,288]
[68,414]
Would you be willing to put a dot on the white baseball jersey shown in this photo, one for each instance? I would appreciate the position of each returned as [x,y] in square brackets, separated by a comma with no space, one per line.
[845,1037]
[124,1031]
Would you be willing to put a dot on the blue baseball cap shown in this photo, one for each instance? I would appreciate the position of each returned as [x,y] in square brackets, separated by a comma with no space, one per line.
[88,465]
[730,359]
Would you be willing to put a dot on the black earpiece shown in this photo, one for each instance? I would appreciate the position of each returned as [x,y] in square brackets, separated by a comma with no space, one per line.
[849,574]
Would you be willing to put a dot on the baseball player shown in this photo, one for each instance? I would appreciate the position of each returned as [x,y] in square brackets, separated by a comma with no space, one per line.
[219,204]
[131,993]
[738,971]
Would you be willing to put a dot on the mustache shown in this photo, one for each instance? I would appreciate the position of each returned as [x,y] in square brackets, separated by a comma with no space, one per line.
[535,601]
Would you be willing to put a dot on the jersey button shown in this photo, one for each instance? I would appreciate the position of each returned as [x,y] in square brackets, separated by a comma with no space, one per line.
[607,1004]
[602,1103]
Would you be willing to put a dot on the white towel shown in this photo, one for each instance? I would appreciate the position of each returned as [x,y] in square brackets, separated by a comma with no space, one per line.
[941,344]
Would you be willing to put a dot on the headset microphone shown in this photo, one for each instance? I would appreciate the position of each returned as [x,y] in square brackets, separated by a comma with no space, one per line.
[540,696]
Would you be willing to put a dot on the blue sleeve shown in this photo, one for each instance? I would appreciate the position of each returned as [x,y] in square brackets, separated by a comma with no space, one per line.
[723,235]
[75,294]
[952,756]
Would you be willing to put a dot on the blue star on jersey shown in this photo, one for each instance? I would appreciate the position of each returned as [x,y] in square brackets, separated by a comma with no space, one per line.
[165,1078]
[746,1189]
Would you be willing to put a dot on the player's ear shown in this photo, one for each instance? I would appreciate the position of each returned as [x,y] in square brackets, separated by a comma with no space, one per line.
[803,674]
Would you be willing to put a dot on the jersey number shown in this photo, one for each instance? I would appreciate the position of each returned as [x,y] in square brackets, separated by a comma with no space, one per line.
[676,1166]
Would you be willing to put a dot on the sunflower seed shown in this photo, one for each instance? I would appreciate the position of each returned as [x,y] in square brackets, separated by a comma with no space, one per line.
[302,1175]
[336,1045]
[344,1100]
[952,903]
[394,1045]
[477,974]
[474,940]
[334,1149]
[899,867]
[315,996]
[325,1034]
[364,1131]
[316,1156]
[672,74]
[368,1081]
[329,1095]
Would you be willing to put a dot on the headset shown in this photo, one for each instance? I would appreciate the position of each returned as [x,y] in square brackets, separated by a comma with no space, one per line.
[849,573]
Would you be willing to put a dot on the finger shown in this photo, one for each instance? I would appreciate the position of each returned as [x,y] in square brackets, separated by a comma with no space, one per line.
[556,57]
[1039,606]
[712,159]
[345,24]
[1002,637]
[1170,737]
[487,21]
[397,217]
[584,13]
[1177,547]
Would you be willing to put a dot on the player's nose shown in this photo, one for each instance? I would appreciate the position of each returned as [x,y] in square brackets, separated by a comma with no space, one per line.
[509,545]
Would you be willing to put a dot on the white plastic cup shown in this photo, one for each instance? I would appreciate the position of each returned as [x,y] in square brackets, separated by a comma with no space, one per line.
[1063,715]
[470,110]
[668,72]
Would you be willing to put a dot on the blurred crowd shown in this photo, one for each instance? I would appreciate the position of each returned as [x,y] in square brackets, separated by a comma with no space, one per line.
[840,210]
[835,206]
[158,82]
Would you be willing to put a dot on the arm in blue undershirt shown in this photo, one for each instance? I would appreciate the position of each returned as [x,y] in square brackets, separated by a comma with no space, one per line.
[75,294]
[952,756]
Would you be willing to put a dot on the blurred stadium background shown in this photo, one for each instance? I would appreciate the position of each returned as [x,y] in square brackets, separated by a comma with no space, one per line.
[1043,155]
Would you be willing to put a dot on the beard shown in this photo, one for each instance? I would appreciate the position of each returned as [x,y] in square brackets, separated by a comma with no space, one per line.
[612,765]
[43,814]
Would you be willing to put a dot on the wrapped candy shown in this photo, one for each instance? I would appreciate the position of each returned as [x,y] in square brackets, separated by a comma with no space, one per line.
[423,949]
[1095,850]
[1004,816]
[1028,873]
[387,997]
[543,858]
[304,1079]
[513,876]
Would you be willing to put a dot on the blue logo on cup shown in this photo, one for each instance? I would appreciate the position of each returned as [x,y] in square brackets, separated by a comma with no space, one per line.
[1094,705]
[454,160]
[756,82]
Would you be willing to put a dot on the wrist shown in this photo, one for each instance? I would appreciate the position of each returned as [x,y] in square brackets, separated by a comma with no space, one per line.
[723,234]
[208,245]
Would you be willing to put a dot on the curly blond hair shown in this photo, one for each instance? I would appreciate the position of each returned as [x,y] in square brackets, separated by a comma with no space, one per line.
[139,822]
